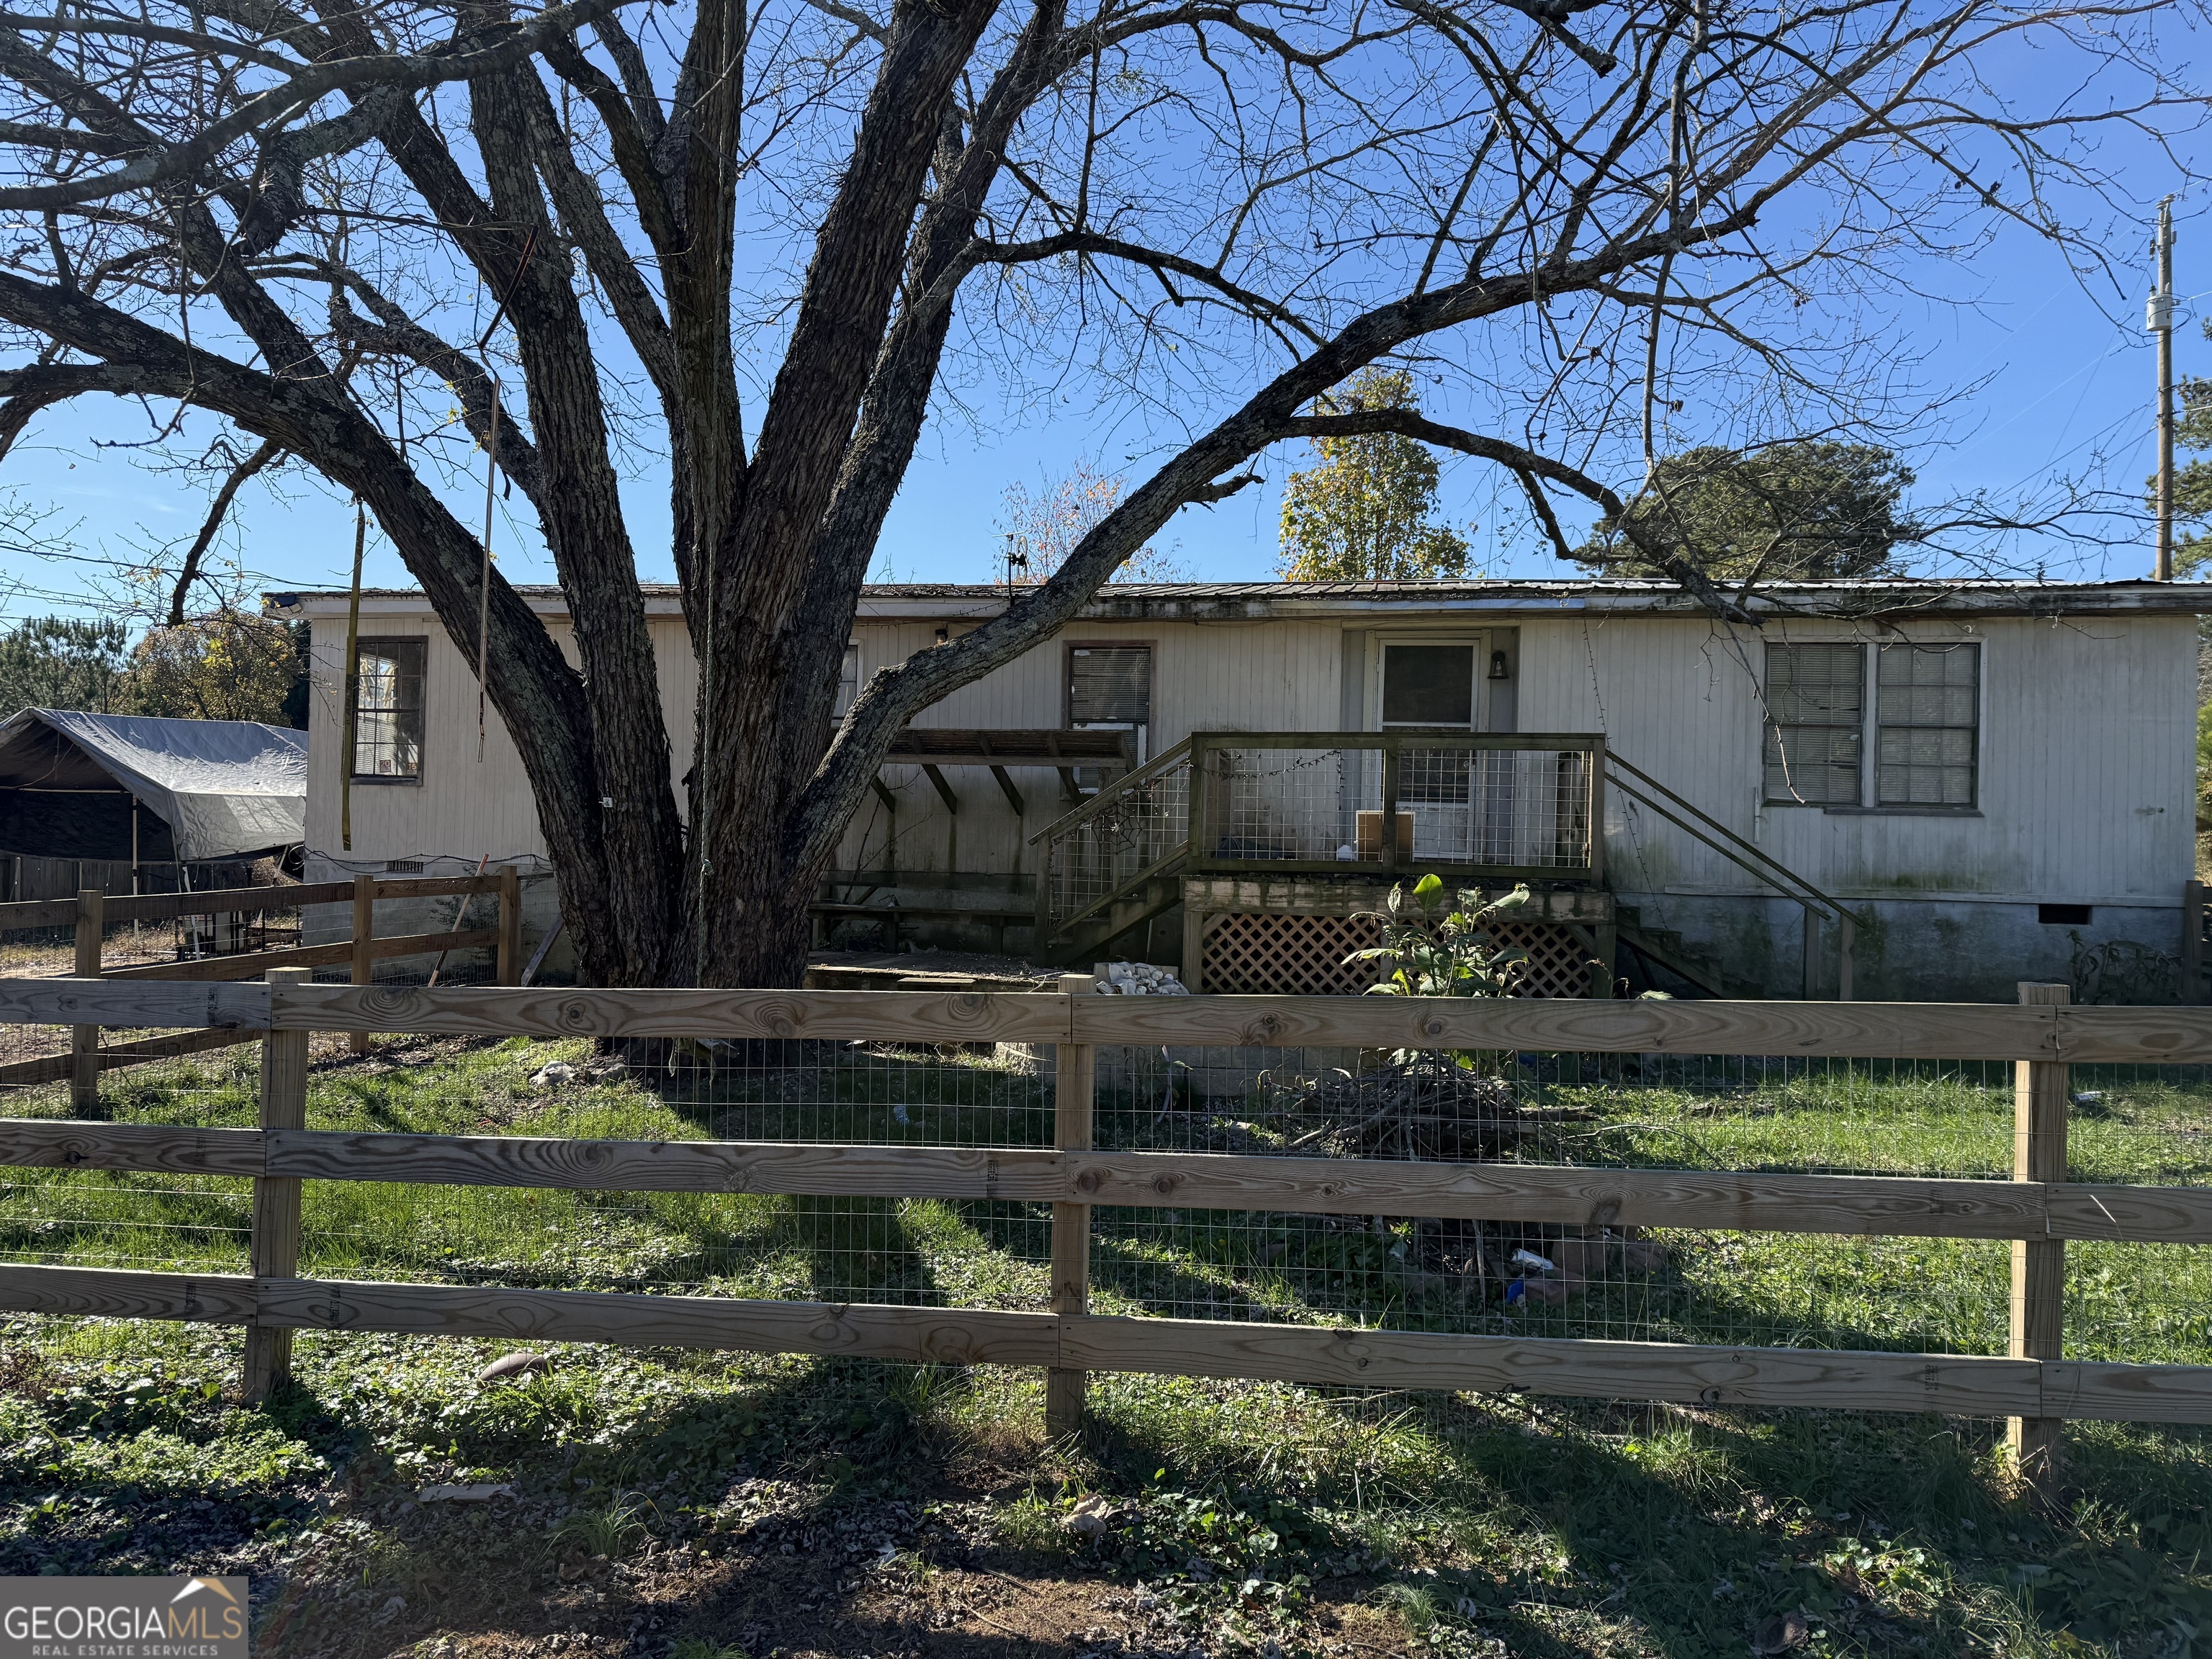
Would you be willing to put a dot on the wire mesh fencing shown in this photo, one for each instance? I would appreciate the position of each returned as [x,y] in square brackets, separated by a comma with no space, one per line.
[2135,1125]
[1402,1270]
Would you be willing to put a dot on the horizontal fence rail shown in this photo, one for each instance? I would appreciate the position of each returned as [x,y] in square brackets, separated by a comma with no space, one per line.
[223,901]
[1965,1385]
[91,913]
[2039,1215]
[1913,1206]
[1892,1031]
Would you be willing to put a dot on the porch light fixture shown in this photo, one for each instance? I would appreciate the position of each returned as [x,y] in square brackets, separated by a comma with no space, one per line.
[1498,667]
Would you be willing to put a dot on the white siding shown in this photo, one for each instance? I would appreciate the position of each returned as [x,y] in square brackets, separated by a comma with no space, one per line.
[2086,747]
[464,806]
[1271,676]
[2087,759]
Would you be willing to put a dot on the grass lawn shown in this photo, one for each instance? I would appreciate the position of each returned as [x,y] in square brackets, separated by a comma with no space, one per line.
[712,1505]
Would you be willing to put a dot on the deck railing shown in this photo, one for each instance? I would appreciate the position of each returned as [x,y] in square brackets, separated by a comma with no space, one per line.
[1134,828]
[1503,806]
[1482,806]
[2039,1209]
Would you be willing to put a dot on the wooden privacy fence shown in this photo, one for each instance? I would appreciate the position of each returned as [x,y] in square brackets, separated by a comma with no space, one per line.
[91,912]
[2040,1210]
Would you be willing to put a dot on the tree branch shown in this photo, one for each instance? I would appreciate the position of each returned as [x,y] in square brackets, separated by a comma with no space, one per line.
[454,61]
[1530,466]
[189,571]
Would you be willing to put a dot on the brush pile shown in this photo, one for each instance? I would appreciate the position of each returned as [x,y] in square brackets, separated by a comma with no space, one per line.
[1427,1107]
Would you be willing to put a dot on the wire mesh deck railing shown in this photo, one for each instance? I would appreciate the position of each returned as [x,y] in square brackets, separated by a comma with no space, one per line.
[1500,806]
[1505,807]
[1513,1182]
[1133,828]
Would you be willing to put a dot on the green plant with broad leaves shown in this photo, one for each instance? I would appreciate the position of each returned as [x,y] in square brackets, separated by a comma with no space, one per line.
[1436,949]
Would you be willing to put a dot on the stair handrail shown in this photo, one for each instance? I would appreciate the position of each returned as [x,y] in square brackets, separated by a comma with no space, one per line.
[1776,874]
[1098,802]
[1165,865]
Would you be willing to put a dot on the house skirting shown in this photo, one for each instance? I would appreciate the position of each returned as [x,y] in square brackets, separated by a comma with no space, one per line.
[1921,950]
[1292,935]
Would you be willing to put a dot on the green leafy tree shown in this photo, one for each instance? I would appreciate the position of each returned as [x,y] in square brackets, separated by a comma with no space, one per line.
[63,662]
[2193,480]
[1365,510]
[1809,510]
[231,665]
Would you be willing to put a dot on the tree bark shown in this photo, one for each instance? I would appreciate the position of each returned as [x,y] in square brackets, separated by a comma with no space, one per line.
[180,174]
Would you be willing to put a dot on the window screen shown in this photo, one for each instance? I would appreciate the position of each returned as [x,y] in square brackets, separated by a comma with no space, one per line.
[1110,685]
[1925,713]
[387,709]
[1815,722]
[1428,685]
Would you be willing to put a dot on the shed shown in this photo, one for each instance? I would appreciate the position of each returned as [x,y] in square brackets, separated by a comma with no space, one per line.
[75,784]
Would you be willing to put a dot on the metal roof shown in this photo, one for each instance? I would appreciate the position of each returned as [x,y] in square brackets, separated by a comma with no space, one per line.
[1255,601]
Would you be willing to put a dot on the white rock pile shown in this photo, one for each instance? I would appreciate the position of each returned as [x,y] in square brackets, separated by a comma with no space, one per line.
[1137,979]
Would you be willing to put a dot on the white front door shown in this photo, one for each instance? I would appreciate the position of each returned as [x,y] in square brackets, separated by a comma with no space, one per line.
[1431,685]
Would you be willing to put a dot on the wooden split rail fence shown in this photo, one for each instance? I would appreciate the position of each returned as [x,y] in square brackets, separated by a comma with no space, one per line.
[91,912]
[2040,1210]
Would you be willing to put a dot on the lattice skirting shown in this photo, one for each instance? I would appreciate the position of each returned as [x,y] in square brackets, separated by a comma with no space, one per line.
[1305,956]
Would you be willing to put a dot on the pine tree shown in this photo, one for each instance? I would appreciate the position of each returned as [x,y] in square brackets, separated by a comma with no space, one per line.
[1808,510]
[1364,511]
[63,662]
[2193,480]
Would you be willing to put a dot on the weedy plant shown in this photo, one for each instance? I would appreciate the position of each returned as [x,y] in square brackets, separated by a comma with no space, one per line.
[1433,951]
[612,1531]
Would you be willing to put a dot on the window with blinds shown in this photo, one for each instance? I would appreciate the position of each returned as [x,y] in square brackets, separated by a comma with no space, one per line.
[1927,716]
[1815,724]
[1428,685]
[1110,685]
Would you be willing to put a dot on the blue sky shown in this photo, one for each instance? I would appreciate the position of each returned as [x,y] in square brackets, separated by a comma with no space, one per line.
[2062,383]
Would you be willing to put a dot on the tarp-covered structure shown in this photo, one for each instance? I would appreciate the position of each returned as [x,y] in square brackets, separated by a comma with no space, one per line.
[133,786]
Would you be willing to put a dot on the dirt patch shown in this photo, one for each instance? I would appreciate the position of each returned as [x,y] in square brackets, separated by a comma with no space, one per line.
[771,1579]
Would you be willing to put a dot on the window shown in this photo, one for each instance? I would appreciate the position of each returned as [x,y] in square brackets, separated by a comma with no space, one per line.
[1815,724]
[1110,689]
[387,710]
[1110,685]
[1428,685]
[1926,714]
[2062,915]
[848,679]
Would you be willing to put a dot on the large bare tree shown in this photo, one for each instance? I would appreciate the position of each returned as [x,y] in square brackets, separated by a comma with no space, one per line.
[767,245]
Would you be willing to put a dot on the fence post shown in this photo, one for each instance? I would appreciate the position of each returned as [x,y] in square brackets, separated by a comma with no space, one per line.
[1075,1072]
[84,1039]
[364,932]
[276,1246]
[2039,1265]
[2192,942]
[510,925]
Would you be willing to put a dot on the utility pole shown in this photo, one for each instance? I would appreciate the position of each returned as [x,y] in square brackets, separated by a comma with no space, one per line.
[2158,318]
